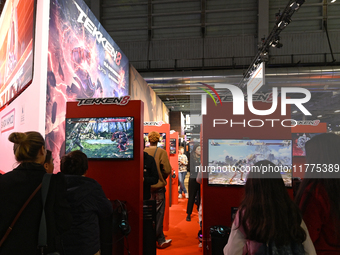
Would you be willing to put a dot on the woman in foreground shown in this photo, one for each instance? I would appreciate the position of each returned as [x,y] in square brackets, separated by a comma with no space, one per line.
[318,195]
[267,215]
[16,187]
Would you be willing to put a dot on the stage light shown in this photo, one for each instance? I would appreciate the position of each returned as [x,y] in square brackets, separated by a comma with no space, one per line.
[297,4]
[279,45]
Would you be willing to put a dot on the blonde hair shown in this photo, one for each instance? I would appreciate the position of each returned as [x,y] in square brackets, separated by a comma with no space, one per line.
[26,145]
[154,137]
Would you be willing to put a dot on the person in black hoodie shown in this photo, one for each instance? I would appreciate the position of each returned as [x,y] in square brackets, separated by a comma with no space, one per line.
[88,202]
[15,188]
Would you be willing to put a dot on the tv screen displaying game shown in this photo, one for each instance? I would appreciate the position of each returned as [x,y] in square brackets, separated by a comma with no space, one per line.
[242,154]
[101,138]
[17,24]
[299,141]
[172,146]
[161,143]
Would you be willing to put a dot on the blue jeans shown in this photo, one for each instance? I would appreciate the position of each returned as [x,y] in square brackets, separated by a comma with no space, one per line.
[181,178]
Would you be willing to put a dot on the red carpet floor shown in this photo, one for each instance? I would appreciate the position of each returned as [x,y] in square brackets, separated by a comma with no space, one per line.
[183,233]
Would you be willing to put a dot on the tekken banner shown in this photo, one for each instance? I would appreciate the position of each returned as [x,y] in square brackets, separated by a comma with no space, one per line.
[16,48]
[83,62]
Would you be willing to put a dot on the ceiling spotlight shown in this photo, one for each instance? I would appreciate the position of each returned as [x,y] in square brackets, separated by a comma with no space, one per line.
[294,112]
[279,45]
[337,111]
[333,1]
[167,99]
[297,4]
[319,116]
[284,23]
[182,105]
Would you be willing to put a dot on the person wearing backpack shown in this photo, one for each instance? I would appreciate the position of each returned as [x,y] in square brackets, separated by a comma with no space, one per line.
[268,221]
[158,189]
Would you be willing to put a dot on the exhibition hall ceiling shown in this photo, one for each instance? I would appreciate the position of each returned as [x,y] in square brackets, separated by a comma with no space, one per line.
[177,45]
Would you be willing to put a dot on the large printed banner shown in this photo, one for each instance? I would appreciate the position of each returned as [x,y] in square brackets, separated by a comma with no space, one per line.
[16,48]
[83,62]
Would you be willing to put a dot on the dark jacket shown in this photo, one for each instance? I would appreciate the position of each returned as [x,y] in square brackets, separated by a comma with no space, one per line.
[15,188]
[194,162]
[88,203]
[150,175]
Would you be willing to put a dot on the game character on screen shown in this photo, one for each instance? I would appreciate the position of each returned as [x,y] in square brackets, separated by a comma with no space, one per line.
[76,140]
[122,140]
[238,169]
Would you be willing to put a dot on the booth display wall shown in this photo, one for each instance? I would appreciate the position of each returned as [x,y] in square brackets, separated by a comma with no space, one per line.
[218,201]
[27,111]
[120,179]
[300,162]
[154,108]
[164,128]
[174,164]
[79,66]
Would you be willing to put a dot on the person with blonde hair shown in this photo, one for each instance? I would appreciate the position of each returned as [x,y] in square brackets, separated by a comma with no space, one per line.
[18,185]
[158,189]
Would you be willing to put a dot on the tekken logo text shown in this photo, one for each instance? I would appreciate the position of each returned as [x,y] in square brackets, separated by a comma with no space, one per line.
[106,100]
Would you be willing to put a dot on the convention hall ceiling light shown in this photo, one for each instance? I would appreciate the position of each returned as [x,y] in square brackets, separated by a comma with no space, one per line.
[333,1]
[337,111]
[294,112]
[283,19]
[319,116]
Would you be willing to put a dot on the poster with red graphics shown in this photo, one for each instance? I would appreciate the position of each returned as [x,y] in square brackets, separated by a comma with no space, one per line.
[83,62]
[16,48]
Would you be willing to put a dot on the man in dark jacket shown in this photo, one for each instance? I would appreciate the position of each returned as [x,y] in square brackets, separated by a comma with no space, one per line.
[88,204]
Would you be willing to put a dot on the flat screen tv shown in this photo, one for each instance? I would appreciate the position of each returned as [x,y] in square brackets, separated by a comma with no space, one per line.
[16,48]
[101,138]
[242,154]
[172,145]
[161,143]
[299,141]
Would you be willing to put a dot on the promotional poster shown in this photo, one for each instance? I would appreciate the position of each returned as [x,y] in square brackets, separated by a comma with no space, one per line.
[16,48]
[83,62]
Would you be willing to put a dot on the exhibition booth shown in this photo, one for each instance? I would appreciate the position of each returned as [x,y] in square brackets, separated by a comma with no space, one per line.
[65,77]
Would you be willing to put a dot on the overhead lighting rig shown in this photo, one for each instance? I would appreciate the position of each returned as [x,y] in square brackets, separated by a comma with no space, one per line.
[273,40]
